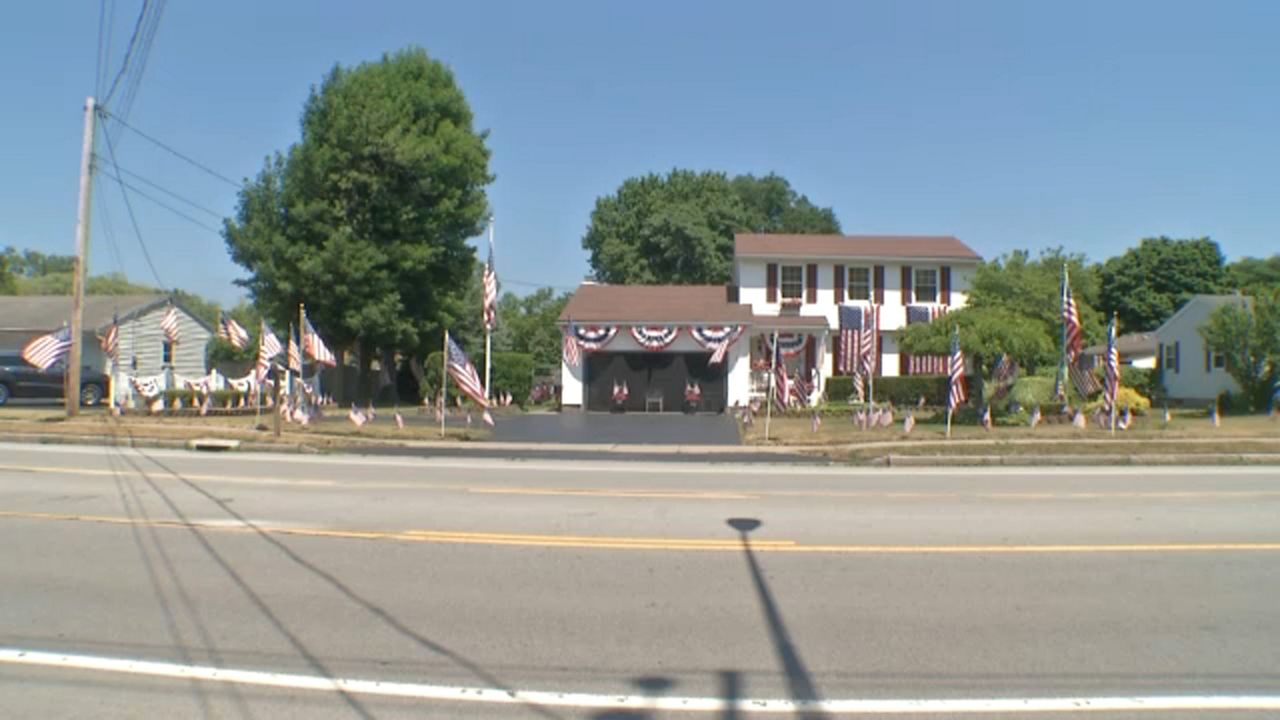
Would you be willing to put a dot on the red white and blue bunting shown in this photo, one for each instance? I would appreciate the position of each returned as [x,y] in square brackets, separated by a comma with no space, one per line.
[717,339]
[791,344]
[594,337]
[655,337]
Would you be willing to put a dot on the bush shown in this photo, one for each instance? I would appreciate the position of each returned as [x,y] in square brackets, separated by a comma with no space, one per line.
[219,398]
[839,388]
[1029,392]
[512,372]
[188,397]
[1146,381]
[908,389]
[1126,397]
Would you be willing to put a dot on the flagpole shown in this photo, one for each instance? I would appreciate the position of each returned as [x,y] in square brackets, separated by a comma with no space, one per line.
[302,353]
[951,381]
[488,327]
[1062,361]
[1114,391]
[444,381]
[773,371]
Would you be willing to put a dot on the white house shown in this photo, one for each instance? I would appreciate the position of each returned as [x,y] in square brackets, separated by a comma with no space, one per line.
[655,338]
[144,351]
[1190,371]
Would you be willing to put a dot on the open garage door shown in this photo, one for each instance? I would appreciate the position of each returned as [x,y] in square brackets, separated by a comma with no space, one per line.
[656,374]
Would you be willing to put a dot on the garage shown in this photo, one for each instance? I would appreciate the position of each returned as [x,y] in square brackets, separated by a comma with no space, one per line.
[655,380]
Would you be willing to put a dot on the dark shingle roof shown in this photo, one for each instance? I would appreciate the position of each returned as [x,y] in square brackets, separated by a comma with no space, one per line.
[48,312]
[938,247]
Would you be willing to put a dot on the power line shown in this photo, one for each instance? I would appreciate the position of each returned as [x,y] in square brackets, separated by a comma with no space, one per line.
[214,213]
[98,71]
[109,230]
[161,203]
[133,219]
[134,80]
[129,51]
[171,151]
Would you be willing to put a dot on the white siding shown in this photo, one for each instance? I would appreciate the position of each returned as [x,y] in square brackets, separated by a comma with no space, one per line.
[1189,381]
[142,343]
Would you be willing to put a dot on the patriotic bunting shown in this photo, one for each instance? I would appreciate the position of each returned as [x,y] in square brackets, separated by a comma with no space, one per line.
[593,337]
[655,337]
[789,344]
[717,339]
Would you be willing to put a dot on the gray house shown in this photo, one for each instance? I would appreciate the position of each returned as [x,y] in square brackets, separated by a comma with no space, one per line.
[1192,373]
[144,352]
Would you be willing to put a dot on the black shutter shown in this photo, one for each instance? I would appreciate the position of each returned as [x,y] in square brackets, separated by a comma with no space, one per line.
[771,282]
[906,284]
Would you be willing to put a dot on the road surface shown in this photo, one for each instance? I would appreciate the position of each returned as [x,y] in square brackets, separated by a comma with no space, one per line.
[170,584]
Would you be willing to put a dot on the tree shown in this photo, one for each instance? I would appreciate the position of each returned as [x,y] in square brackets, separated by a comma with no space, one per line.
[8,284]
[1033,288]
[1147,284]
[366,218]
[529,325]
[1255,275]
[985,334]
[1247,334]
[678,228]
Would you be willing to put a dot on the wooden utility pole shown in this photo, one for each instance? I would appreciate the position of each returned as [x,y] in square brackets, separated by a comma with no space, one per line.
[72,388]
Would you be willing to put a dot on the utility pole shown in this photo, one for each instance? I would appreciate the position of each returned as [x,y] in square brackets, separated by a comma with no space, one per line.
[72,389]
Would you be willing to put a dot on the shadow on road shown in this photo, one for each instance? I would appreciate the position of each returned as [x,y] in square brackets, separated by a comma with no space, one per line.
[368,605]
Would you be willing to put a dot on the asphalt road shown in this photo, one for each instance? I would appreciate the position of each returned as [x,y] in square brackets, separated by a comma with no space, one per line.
[168,584]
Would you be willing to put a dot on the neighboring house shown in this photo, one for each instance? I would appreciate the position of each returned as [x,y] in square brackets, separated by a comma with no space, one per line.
[1192,373]
[793,285]
[1136,350]
[144,352]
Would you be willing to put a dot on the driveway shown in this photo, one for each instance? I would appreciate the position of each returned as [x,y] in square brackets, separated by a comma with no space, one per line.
[618,429]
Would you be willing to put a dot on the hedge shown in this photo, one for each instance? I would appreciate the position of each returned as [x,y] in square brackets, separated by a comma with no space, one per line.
[512,372]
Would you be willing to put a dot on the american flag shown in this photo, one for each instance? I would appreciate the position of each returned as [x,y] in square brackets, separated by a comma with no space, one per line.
[490,288]
[781,383]
[572,353]
[295,355]
[1083,378]
[956,395]
[1034,420]
[926,364]
[1112,386]
[46,350]
[314,346]
[233,332]
[169,324]
[268,349]
[1073,337]
[110,340]
[1004,373]
[399,421]
[859,326]
[464,374]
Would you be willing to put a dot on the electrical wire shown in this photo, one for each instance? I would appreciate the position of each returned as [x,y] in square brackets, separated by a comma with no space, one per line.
[133,218]
[134,79]
[213,213]
[161,203]
[129,51]
[169,149]
[108,229]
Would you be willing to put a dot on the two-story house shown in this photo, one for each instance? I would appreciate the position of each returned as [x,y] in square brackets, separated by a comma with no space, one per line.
[656,340]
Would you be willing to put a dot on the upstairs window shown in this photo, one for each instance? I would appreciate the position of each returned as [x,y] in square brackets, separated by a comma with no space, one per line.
[792,282]
[1171,357]
[166,352]
[1219,361]
[858,283]
[926,285]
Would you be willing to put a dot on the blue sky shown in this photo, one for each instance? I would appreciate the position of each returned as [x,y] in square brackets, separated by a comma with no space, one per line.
[1009,124]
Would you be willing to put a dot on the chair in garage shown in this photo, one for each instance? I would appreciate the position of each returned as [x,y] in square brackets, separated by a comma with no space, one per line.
[652,398]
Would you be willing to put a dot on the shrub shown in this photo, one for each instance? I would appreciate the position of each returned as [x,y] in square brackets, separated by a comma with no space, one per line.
[1126,397]
[907,390]
[219,398]
[839,388]
[1146,381]
[1029,392]
[188,397]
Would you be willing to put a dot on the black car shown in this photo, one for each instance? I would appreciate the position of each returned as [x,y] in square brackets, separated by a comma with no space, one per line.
[20,379]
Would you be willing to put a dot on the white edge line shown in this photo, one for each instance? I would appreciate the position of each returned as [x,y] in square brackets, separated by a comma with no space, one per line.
[16,656]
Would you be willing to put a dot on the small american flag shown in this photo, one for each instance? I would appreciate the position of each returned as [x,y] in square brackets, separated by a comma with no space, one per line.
[816,423]
[110,340]
[46,350]
[314,346]
[399,421]
[356,417]
[925,364]
[1072,332]
[572,353]
[233,332]
[909,423]
[986,417]
[1035,418]
[169,324]
[464,374]
[957,394]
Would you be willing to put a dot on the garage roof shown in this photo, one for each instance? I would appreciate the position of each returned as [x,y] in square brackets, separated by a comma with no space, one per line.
[654,304]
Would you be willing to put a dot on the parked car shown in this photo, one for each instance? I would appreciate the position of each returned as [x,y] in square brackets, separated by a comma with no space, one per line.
[20,379]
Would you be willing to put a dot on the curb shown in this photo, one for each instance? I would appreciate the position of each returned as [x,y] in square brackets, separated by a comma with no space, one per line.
[1075,460]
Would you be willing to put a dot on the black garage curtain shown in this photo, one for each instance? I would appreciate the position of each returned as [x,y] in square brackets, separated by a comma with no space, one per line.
[645,373]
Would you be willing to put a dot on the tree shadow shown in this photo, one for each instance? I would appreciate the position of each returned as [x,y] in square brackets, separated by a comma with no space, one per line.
[368,605]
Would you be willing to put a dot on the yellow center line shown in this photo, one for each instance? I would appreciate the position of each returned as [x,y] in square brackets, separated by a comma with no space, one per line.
[654,543]
[588,492]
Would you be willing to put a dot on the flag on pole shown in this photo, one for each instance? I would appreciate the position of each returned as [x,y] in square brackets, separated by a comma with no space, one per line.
[986,417]
[169,324]
[1126,420]
[859,327]
[356,417]
[314,346]
[1112,386]
[490,288]
[909,423]
[464,374]
[1074,335]
[572,353]
[46,350]
[232,331]
[816,422]
[1035,418]
[781,383]
[294,357]
[399,421]
[1083,378]
[956,393]
[1214,417]
[268,349]
[110,340]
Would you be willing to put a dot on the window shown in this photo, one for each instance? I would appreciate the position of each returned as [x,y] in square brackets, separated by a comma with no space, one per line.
[1219,360]
[926,285]
[166,352]
[792,282]
[859,283]
[1171,357]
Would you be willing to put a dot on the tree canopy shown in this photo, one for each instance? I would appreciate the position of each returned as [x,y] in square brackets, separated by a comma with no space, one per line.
[1247,334]
[1148,283]
[1033,288]
[1255,275]
[678,228]
[366,218]
[528,325]
[985,334]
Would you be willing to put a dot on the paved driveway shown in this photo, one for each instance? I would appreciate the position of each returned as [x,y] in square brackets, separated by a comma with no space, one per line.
[619,429]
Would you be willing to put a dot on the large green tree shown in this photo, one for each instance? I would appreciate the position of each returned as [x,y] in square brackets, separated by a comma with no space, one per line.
[1247,334]
[529,325]
[1032,287]
[366,218]
[678,228]
[1255,275]
[986,333]
[1148,283]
